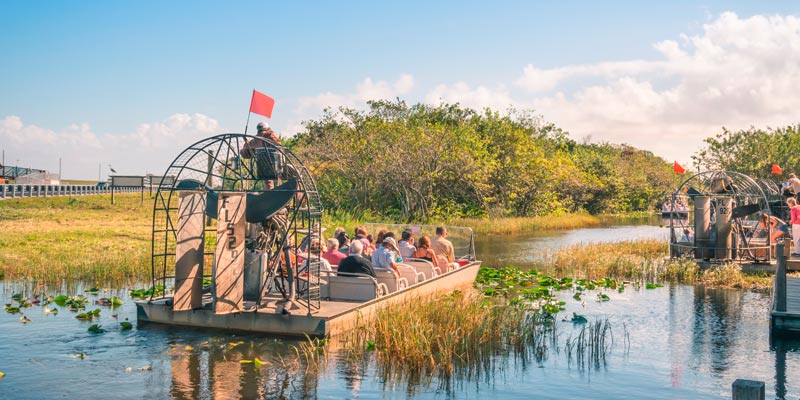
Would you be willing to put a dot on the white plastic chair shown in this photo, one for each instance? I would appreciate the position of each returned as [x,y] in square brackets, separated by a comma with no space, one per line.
[424,267]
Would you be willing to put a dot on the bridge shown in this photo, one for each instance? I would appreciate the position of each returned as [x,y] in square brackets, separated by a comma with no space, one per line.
[14,172]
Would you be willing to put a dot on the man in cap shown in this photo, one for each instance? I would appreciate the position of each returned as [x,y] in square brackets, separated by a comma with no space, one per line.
[386,255]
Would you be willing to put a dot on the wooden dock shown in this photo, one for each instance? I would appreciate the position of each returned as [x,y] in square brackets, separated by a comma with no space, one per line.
[786,296]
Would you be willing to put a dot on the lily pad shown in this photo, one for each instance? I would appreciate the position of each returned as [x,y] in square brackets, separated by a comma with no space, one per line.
[125,325]
[96,329]
[578,319]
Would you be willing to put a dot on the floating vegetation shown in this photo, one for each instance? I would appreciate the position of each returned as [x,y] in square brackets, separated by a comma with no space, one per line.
[255,361]
[538,289]
[82,356]
[125,325]
[24,319]
[88,316]
[156,291]
[73,303]
[113,302]
[96,329]
[93,290]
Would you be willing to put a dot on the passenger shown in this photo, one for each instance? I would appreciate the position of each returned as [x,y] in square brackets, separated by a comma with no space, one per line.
[444,250]
[355,263]
[362,234]
[371,241]
[386,255]
[338,231]
[333,255]
[793,184]
[344,242]
[424,250]
[687,236]
[794,212]
[379,240]
[406,244]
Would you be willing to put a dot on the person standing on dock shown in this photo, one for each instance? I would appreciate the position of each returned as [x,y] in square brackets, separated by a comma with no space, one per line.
[794,184]
[794,212]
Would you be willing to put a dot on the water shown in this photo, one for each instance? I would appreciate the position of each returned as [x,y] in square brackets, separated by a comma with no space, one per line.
[684,342]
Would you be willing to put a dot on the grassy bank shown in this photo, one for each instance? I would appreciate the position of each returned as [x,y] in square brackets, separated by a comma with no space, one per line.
[644,261]
[86,238]
[507,226]
[82,238]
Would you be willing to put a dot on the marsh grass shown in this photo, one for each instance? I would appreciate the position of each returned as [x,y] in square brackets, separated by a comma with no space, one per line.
[461,334]
[644,261]
[512,225]
[77,238]
[591,345]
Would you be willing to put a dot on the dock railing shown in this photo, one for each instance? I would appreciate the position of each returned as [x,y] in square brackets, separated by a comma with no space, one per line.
[13,191]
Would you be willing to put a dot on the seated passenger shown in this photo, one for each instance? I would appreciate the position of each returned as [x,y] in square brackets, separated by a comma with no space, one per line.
[344,242]
[444,249]
[386,256]
[355,263]
[687,236]
[424,250]
[363,236]
[333,255]
[772,227]
[406,245]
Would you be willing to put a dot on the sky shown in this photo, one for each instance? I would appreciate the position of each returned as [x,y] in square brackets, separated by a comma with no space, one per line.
[131,84]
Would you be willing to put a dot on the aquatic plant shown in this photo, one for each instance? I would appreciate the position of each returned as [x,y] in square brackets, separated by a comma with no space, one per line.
[590,346]
[512,225]
[461,333]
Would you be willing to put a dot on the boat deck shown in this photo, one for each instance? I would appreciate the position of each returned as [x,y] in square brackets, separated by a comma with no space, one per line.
[330,319]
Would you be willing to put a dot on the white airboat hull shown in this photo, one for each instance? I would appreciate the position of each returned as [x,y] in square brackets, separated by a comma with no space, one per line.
[332,318]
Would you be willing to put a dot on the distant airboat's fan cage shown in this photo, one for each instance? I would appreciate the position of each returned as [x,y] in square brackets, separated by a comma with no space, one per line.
[218,164]
[748,199]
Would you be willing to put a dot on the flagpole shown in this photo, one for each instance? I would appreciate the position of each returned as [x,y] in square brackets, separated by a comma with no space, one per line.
[249,112]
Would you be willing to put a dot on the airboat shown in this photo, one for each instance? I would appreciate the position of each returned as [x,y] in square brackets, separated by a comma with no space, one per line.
[723,214]
[236,246]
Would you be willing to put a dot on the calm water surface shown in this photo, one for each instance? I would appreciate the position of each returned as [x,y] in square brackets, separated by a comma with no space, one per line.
[683,342]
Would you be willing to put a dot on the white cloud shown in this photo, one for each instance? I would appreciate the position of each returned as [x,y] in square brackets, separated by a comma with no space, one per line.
[480,97]
[149,148]
[736,72]
[364,91]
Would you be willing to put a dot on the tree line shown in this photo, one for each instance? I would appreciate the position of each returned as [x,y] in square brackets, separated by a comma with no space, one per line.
[752,151]
[416,162]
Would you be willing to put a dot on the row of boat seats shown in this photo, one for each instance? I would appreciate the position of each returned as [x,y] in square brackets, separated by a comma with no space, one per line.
[356,287]
[344,286]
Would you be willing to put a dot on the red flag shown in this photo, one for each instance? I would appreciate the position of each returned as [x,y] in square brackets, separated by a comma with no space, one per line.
[677,168]
[776,169]
[261,104]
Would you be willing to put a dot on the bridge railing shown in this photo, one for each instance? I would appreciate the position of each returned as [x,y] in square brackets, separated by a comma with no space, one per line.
[14,191]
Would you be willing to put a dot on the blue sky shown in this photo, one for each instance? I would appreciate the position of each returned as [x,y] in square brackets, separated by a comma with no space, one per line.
[107,75]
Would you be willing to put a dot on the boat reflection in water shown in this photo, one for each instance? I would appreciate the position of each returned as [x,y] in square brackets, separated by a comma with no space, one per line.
[227,370]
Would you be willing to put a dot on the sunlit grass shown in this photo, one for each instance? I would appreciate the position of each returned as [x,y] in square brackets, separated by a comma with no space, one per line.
[511,225]
[460,333]
[79,238]
[645,261]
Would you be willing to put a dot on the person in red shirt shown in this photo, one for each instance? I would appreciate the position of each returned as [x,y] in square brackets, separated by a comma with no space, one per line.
[333,255]
[794,212]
